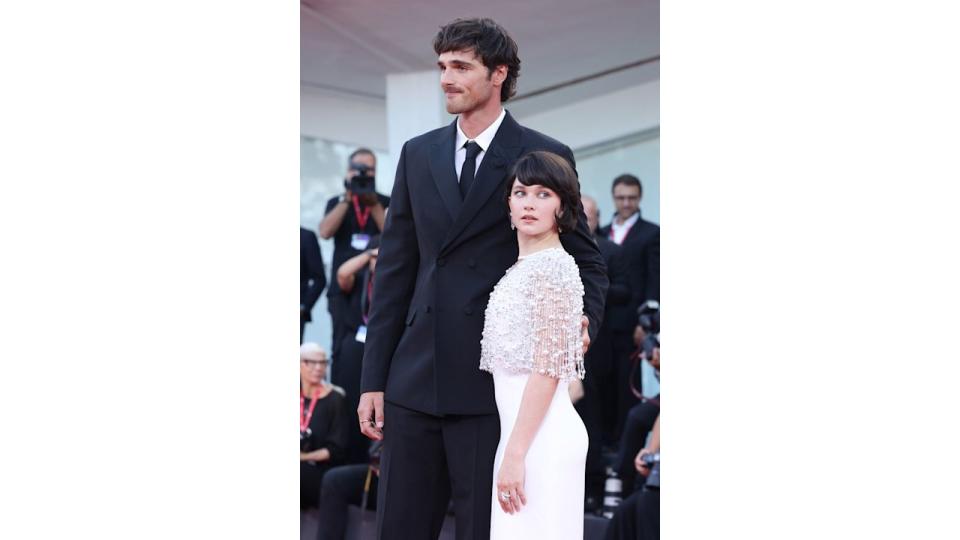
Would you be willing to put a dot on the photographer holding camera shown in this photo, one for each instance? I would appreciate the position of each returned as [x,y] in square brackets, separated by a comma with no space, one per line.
[641,418]
[351,219]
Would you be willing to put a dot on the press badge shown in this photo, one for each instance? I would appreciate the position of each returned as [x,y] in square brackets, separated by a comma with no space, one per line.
[362,334]
[359,241]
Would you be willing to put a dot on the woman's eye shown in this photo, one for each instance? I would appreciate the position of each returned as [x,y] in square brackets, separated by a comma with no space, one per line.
[518,194]
[543,194]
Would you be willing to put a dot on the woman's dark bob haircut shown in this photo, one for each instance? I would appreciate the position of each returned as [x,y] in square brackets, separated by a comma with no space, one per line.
[550,171]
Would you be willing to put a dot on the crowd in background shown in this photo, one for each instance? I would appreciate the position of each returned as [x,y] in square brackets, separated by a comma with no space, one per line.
[338,465]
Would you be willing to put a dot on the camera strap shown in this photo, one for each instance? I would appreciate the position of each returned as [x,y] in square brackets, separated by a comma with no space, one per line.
[362,217]
[305,420]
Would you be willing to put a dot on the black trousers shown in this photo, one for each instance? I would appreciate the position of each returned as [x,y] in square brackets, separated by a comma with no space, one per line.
[426,461]
[342,486]
[311,478]
[589,409]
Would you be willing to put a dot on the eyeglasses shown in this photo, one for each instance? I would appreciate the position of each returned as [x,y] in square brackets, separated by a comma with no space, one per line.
[315,363]
[627,198]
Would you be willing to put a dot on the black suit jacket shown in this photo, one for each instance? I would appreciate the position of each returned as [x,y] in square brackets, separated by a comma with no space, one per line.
[440,258]
[619,294]
[312,278]
[641,247]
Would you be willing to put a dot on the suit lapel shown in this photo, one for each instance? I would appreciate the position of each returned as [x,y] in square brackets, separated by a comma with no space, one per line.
[504,150]
[444,172]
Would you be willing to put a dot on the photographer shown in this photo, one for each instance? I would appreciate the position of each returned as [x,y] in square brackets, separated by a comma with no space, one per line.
[355,278]
[351,219]
[641,418]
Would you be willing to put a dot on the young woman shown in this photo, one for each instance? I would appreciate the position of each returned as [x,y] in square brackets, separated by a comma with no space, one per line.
[532,345]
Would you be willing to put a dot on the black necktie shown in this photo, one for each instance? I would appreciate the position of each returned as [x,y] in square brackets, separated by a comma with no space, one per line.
[469,168]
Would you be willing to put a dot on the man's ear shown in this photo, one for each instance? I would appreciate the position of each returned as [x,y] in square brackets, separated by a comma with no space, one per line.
[500,74]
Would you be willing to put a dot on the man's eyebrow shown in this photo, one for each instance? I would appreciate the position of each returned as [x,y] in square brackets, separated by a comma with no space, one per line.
[455,63]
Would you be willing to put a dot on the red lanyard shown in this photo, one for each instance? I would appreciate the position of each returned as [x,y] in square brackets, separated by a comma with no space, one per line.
[305,421]
[361,218]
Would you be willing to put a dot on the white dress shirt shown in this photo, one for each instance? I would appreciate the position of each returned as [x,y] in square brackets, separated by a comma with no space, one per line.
[483,139]
[619,232]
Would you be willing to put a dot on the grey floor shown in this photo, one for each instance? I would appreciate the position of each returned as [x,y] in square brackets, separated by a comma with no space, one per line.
[362,526]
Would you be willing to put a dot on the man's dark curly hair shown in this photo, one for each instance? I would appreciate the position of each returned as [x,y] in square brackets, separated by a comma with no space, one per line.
[489,41]
[549,170]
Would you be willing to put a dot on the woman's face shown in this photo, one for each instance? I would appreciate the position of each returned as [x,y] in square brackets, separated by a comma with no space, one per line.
[313,369]
[534,209]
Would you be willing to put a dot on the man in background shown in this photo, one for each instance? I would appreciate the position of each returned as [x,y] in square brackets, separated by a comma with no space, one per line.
[312,278]
[352,219]
[640,241]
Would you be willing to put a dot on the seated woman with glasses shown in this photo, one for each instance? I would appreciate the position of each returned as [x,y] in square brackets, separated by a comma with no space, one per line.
[323,423]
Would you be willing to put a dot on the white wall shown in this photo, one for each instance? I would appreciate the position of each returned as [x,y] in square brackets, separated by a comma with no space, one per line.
[602,118]
[357,121]
[362,121]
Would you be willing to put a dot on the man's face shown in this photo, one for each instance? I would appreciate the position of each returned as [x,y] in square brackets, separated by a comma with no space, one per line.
[365,159]
[626,199]
[468,84]
[593,215]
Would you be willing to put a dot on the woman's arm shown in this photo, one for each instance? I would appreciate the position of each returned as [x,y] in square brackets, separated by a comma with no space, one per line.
[537,395]
[347,273]
[317,455]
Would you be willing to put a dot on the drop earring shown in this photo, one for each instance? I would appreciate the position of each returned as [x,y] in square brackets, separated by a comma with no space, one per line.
[512,226]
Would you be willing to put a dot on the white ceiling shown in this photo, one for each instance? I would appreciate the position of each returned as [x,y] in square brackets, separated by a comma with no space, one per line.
[349,46]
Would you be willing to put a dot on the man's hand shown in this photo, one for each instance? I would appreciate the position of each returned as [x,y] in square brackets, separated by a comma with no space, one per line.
[638,463]
[370,412]
[585,324]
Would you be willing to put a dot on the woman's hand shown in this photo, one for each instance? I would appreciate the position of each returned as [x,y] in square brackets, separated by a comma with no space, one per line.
[510,483]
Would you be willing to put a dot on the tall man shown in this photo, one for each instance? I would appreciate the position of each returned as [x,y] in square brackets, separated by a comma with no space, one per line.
[640,241]
[446,243]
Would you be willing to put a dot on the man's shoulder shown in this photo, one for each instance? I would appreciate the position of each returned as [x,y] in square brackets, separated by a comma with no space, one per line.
[648,225]
[428,138]
[532,138]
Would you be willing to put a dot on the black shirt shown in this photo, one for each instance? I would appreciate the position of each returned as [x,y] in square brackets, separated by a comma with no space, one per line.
[328,425]
[342,250]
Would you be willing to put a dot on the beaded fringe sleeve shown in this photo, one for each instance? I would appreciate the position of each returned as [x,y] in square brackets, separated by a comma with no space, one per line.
[532,322]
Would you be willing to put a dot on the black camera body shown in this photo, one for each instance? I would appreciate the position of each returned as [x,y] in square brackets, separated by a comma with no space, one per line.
[648,315]
[363,182]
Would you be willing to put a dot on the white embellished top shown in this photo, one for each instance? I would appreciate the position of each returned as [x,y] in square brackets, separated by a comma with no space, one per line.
[533,318]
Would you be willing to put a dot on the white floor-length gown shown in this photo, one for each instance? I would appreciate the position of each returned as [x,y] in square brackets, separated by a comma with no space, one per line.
[533,325]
